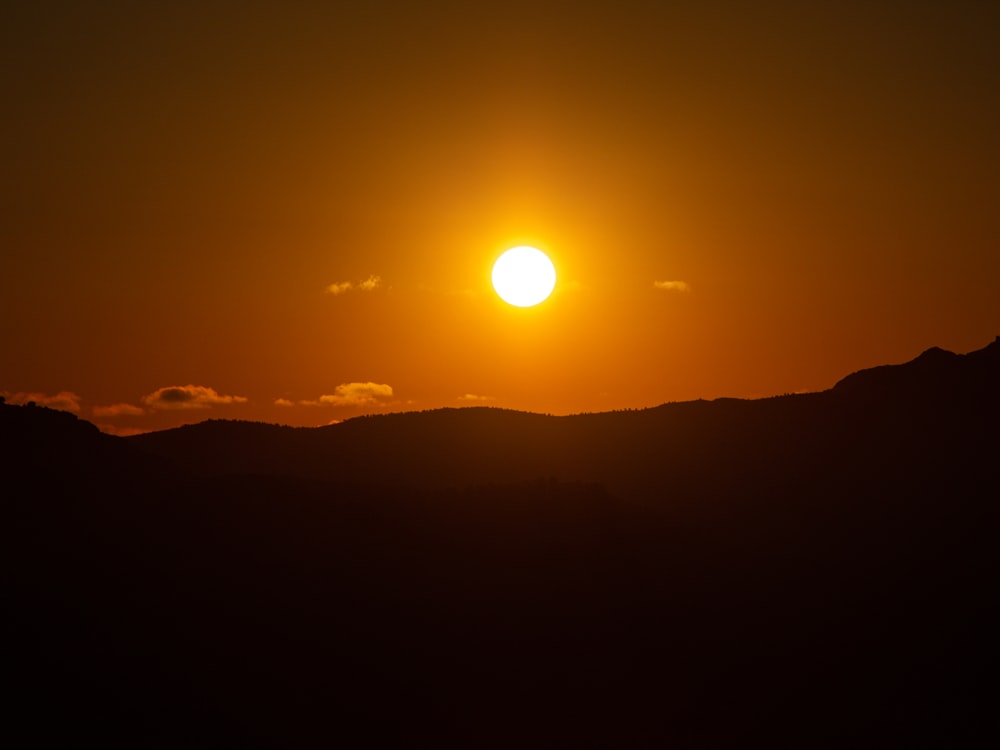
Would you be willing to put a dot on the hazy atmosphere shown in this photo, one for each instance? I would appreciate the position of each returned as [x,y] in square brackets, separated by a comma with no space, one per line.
[289,212]
[517,375]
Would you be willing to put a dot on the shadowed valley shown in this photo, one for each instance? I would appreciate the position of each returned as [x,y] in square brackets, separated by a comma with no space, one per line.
[812,570]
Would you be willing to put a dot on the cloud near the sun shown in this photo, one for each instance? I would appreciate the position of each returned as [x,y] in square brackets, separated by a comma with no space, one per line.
[672,286]
[340,287]
[353,394]
[64,400]
[117,410]
[188,397]
[472,397]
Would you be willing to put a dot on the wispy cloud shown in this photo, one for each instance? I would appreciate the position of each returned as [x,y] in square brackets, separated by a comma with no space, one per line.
[64,400]
[188,397]
[472,397]
[368,285]
[283,402]
[672,286]
[340,287]
[117,410]
[353,394]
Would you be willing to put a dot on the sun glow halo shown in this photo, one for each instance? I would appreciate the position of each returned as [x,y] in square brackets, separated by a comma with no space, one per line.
[524,276]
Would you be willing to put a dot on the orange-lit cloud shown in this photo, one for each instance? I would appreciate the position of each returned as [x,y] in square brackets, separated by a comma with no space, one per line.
[353,394]
[188,397]
[672,286]
[340,287]
[64,400]
[117,410]
[283,402]
[473,397]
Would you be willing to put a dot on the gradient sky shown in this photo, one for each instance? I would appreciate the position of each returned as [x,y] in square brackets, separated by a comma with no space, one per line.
[288,211]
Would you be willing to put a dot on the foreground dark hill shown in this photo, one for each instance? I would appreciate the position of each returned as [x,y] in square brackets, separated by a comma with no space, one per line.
[814,570]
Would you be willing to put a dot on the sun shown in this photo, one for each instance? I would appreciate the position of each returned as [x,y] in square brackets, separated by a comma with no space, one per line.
[524,276]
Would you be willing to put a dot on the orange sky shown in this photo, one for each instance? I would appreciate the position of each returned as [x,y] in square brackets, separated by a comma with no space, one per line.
[182,186]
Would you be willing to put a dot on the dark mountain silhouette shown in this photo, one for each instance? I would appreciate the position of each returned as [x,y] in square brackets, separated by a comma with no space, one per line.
[806,570]
[645,453]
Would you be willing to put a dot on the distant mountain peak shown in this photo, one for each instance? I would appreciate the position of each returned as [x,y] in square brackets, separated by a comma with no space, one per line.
[935,353]
[933,368]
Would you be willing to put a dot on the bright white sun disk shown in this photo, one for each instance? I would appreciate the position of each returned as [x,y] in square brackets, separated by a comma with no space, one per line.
[524,276]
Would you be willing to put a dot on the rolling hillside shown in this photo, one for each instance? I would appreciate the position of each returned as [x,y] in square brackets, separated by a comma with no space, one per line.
[809,570]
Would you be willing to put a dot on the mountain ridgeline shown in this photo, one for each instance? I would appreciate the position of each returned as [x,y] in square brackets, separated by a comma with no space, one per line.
[806,570]
[897,422]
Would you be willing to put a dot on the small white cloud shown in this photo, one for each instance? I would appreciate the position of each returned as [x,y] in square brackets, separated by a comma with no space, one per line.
[672,286]
[188,397]
[357,394]
[117,410]
[353,394]
[340,287]
[64,400]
